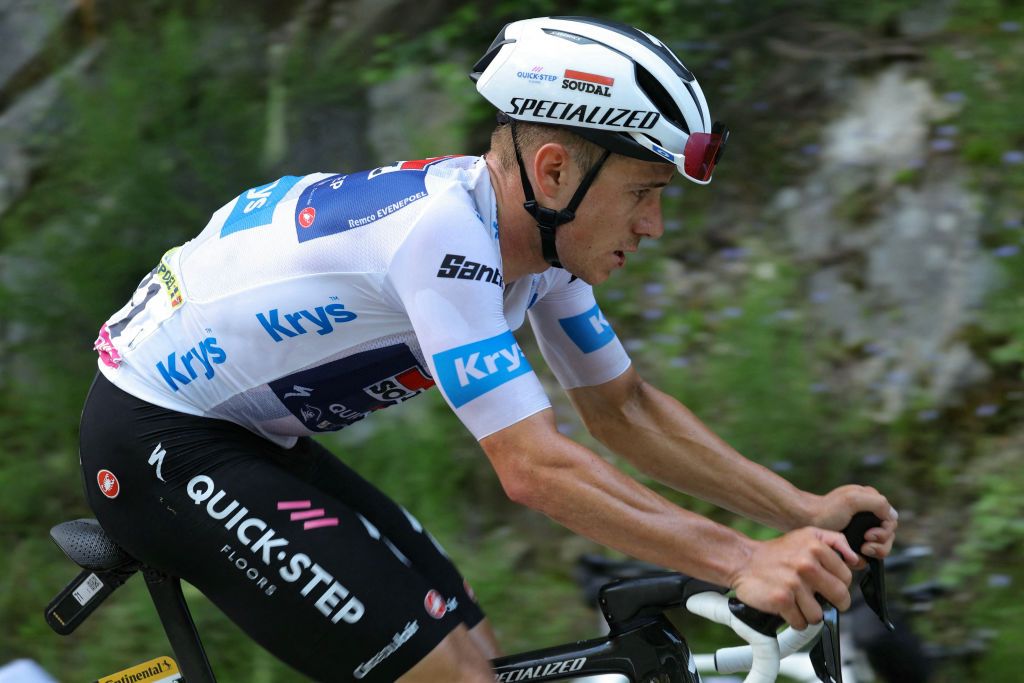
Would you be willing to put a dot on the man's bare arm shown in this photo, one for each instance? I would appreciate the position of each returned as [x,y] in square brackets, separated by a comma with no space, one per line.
[666,441]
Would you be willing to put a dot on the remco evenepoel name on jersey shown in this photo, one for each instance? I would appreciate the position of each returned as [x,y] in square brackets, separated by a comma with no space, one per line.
[281,326]
[596,114]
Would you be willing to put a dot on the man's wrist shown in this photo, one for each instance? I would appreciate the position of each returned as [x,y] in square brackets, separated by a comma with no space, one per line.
[805,512]
[739,560]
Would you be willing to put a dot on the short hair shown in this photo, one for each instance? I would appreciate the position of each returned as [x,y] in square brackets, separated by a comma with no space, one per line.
[532,136]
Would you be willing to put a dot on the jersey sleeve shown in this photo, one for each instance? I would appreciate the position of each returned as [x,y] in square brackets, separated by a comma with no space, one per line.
[447,276]
[578,343]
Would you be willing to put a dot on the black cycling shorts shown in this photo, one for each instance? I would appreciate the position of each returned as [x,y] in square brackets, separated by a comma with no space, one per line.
[308,558]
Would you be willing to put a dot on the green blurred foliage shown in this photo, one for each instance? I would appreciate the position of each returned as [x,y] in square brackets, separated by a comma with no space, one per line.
[183,112]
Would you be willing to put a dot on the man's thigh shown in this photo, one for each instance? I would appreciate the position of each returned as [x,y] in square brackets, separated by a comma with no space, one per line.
[394,526]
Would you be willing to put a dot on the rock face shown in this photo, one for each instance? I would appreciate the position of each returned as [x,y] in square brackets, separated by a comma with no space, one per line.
[28,88]
[27,28]
[901,271]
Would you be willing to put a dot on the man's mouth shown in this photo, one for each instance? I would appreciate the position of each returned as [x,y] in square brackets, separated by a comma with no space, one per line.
[622,258]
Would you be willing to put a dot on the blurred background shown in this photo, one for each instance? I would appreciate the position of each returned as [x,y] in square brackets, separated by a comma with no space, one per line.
[843,304]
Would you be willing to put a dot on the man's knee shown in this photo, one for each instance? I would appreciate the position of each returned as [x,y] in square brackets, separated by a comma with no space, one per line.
[456,658]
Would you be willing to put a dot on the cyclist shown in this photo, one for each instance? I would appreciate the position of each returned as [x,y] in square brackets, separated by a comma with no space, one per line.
[309,302]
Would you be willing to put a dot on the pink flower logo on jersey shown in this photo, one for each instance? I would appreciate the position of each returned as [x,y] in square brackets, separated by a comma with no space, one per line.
[435,605]
[109,486]
[307,216]
[109,356]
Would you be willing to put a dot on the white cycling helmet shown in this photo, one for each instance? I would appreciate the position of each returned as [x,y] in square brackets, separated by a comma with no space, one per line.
[612,84]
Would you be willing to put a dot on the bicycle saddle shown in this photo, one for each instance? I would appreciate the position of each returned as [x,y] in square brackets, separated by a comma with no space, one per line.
[87,545]
[648,596]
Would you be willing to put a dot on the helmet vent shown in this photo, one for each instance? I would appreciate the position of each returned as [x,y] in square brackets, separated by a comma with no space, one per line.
[639,36]
[499,41]
[656,92]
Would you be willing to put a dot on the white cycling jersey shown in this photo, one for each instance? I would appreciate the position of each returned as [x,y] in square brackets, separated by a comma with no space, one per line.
[311,301]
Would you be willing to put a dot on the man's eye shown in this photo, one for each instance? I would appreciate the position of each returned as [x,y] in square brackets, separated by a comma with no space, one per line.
[640,194]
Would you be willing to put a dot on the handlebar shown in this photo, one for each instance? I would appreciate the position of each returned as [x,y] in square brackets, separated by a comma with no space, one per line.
[765,650]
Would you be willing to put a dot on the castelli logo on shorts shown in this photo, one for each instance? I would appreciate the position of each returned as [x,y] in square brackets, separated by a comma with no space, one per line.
[434,604]
[108,483]
[307,216]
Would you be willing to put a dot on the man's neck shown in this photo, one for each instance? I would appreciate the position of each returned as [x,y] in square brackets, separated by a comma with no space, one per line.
[517,231]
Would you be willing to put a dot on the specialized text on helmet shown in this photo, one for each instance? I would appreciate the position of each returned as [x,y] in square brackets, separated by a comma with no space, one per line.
[596,115]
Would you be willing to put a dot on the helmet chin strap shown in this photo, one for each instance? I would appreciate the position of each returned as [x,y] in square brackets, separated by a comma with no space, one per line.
[549,219]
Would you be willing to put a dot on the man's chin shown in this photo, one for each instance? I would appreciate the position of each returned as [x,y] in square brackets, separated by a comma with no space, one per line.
[594,279]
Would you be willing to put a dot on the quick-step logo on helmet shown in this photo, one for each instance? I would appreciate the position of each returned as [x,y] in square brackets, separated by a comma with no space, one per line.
[534,75]
[469,371]
[588,83]
[639,119]
[588,330]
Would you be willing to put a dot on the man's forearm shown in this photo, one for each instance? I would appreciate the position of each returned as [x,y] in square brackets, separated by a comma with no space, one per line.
[576,488]
[666,441]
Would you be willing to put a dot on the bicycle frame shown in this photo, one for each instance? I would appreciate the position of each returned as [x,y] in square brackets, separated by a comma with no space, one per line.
[651,651]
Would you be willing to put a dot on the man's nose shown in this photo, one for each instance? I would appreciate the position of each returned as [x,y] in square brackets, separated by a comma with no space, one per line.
[650,223]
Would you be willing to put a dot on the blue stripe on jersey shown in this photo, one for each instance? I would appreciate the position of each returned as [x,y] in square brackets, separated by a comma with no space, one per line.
[344,202]
[255,208]
[470,371]
[589,330]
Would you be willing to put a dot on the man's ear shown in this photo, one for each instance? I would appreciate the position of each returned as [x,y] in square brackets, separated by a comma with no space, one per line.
[553,170]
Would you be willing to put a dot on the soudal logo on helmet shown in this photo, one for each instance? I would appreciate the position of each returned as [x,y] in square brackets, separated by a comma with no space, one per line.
[589,83]
[596,115]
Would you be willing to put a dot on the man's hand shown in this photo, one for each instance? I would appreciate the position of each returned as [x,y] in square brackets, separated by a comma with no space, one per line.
[783,575]
[835,510]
